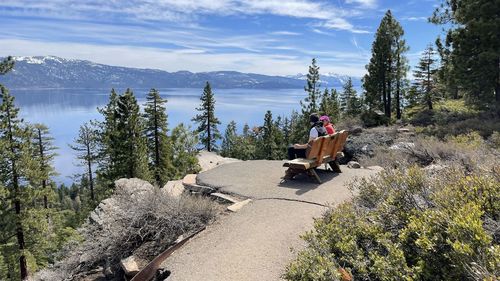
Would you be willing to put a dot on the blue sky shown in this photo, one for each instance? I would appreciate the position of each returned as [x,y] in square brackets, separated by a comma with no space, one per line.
[277,37]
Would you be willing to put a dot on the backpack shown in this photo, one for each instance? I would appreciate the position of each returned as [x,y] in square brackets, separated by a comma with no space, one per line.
[320,129]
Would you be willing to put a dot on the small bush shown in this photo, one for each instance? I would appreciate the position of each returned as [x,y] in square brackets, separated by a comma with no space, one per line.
[348,123]
[373,119]
[494,140]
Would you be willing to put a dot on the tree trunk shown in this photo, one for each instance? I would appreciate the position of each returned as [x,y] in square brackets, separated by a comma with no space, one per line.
[384,93]
[23,268]
[209,136]
[398,86]
[91,180]
[42,160]
[497,84]
[157,145]
[428,88]
[389,85]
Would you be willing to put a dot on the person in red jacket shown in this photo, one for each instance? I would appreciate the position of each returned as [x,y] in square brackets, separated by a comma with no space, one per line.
[328,126]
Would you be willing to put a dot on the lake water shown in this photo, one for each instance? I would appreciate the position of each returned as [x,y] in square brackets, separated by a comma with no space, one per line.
[63,111]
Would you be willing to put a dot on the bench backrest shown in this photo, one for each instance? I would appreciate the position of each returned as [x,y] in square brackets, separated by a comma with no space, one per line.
[315,148]
[327,146]
[338,143]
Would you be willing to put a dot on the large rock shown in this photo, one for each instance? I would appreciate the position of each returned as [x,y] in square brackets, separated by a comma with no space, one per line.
[173,188]
[130,266]
[364,145]
[210,160]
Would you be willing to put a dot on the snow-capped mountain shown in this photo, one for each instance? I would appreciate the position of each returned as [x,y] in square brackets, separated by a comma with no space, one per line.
[330,79]
[54,72]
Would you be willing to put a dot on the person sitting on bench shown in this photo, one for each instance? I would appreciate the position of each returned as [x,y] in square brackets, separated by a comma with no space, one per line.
[317,130]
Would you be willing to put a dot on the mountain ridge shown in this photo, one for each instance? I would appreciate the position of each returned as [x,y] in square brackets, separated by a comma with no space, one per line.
[39,72]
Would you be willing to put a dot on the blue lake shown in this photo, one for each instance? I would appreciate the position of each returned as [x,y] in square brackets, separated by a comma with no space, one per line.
[63,111]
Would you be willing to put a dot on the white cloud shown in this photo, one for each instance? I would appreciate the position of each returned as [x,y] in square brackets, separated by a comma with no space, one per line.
[415,18]
[364,3]
[170,60]
[181,11]
[286,33]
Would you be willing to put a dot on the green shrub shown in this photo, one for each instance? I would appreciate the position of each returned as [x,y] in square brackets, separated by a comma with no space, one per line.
[494,140]
[405,224]
[372,119]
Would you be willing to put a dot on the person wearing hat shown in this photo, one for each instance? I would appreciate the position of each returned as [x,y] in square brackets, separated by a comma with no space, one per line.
[317,130]
[326,123]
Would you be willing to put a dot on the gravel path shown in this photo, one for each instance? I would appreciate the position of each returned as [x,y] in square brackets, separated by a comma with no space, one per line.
[254,244]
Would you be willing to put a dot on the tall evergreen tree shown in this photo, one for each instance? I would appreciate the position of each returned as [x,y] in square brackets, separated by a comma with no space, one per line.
[280,139]
[159,146]
[229,140]
[401,67]
[86,147]
[207,121]
[425,76]
[330,104]
[311,103]
[245,145]
[473,56]
[16,160]
[268,148]
[45,157]
[132,158]
[387,67]
[184,151]
[349,101]
[335,106]
[107,171]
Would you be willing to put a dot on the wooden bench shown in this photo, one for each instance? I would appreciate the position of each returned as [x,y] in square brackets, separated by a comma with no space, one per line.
[323,150]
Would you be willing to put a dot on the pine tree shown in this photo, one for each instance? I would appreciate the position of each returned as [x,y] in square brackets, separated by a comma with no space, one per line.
[349,101]
[268,148]
[16,155]
[473,47]
[310,104]
[447,78]
[159,146]
[86,147]
[280,139]
[387,66]
[107,171]
[45,157]
[425,76]
[245,145]
[228,148]
[132,158]
[334,114]
[401,67]
[207,121]
[184,151]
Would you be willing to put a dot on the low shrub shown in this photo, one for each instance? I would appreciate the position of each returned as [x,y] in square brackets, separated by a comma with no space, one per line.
[373,119]
[453,117]
[406,224]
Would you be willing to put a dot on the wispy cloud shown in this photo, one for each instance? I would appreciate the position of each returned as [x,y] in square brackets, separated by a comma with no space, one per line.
[415,18]
[183,11]
[286,33]
[364,3]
